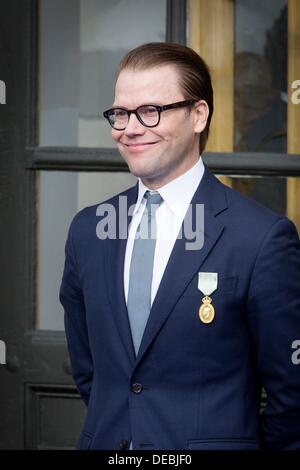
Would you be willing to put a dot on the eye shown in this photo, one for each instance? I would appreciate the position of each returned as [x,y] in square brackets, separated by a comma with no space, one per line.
[119,113]
[148,111]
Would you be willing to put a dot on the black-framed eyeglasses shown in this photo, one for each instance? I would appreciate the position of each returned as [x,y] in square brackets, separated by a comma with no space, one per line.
[147,114]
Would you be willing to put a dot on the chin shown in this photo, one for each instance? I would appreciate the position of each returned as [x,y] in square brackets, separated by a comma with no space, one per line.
[139,170]
[139,173]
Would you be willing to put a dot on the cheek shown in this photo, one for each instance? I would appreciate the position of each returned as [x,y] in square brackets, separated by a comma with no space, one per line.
[175,134]
[116,135]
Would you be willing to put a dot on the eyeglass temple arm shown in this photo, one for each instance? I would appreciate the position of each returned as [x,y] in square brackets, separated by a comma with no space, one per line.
[180,104]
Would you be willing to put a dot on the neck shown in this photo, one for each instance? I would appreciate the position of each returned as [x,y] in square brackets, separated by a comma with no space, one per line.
[159,181]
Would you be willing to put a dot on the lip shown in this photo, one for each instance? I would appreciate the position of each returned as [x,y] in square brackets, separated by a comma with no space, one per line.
[139,145]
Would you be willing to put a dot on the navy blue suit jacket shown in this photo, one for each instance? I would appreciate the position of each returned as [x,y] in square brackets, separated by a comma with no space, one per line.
[200,384]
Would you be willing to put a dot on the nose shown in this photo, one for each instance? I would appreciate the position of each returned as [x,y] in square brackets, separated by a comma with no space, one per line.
[134,127]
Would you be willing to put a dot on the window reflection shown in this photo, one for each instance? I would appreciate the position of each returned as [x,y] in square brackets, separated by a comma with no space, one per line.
[269,191]
[82,42]
[261,76]
[61,195]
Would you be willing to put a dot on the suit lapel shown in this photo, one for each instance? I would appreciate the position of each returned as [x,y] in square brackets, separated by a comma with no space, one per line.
[184,264]
[115,256]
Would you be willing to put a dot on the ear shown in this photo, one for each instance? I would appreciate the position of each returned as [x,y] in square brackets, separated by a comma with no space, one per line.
[201,113]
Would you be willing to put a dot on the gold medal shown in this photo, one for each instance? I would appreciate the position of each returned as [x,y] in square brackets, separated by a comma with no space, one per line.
[207,284]
[206,311]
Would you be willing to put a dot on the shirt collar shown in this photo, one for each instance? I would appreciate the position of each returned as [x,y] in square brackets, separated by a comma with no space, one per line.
[178,193]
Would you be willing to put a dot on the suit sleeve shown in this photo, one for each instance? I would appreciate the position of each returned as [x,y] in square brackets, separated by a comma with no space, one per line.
[274,320]
[71,297]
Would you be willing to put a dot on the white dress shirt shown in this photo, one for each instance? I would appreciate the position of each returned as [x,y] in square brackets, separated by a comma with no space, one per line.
[177,196]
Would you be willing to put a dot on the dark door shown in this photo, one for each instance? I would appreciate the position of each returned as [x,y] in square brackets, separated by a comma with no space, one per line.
[39,404]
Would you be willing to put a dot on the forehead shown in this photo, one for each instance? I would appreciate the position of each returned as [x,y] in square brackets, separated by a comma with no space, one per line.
[155,85]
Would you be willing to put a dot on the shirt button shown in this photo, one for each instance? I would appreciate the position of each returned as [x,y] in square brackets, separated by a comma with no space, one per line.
[123,444]
[137,388]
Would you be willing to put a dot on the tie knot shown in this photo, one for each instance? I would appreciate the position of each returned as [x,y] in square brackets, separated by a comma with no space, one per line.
[153,198]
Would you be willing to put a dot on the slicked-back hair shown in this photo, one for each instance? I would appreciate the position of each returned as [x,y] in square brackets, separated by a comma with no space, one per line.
[194,75]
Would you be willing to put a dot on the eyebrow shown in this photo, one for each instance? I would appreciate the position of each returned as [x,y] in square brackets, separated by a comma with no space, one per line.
[152,103]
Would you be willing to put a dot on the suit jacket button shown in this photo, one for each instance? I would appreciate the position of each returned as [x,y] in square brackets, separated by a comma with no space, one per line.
[123,444]
[137,388]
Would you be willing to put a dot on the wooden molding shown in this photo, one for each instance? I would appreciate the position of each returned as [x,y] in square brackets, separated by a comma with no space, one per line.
[293,185]
[211,34]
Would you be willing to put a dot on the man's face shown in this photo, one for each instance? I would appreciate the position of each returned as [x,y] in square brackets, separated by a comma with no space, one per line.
[160,154]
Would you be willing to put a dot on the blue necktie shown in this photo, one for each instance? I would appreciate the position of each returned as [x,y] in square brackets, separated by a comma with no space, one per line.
[141,269]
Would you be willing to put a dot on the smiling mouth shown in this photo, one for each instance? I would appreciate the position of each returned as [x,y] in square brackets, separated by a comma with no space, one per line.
[140,145]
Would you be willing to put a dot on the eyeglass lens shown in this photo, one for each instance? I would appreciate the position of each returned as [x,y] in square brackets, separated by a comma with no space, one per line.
[148,115]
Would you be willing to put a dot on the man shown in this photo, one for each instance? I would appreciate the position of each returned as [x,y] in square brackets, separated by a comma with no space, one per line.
[171,343]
